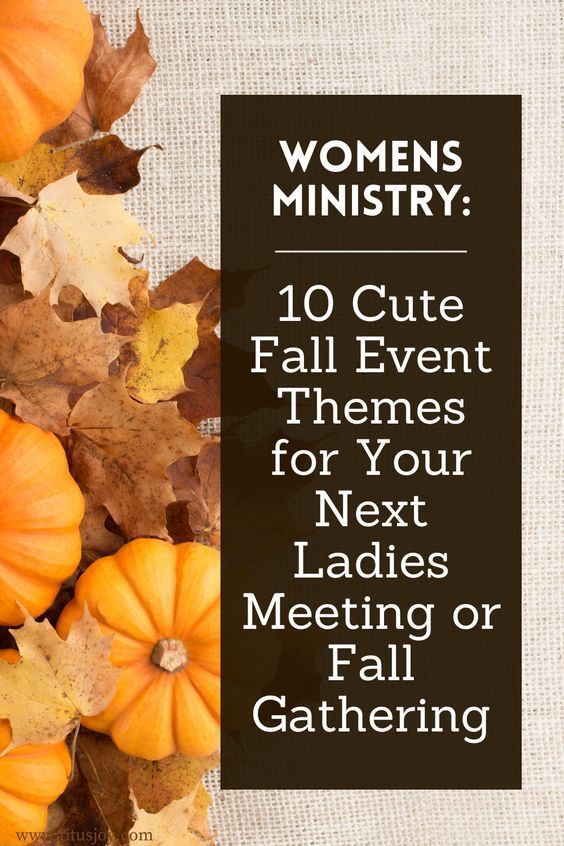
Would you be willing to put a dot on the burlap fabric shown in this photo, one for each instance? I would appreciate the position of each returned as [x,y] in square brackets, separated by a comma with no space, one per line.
[209,47]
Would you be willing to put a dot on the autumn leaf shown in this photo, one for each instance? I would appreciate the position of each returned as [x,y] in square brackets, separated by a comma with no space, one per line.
[161,343]
[45,694]
[120,451]
[113,79]
[103,166]
[111,775]
[196,282]
[97,540]
[42,359]
[175,823]
[72,238]
[196,484]
[11,288]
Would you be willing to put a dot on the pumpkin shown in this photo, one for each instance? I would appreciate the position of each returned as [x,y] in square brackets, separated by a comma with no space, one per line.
[44,45]
[162,603]
[31,778]
[41,507]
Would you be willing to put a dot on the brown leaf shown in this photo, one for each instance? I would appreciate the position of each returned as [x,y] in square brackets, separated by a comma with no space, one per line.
[75,816]
[196,484]
[103,166]
[11,288]
[111,773]
[113,78]
[202,378]
[106,772]
[42,358]
[196,282]
[97,540]
[73,305]
[11,209]
[121,450]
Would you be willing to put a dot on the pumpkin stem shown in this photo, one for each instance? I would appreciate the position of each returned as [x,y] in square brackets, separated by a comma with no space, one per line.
[170,655]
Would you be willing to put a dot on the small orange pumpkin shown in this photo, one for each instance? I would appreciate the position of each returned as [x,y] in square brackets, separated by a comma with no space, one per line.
[162,603]
[31,778]
[41,507]
[44,45]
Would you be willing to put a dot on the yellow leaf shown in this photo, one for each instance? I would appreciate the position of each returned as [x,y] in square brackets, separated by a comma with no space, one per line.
[36,169]
[56,681]
[164,342]
[104,165]
[173,824]
[72,238]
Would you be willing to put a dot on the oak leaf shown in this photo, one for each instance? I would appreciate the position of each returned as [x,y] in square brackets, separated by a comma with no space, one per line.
[56,681]
[42,359]
[72,238]
[104,166]
[120,451]
[113,79]
[177,822]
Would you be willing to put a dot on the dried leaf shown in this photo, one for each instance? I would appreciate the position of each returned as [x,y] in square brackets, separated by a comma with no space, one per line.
[81,822]
[196,484]
[103,166]
[175,823]
[197,283]
[72,238]
[111,774]
[97,540]
[106,772]
[45,694]
[11,288]
[202,378]
[42,358]
[121,450]
[113,79]
[162,342]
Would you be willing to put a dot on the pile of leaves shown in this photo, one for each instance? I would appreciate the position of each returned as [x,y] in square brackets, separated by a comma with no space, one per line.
[122,371]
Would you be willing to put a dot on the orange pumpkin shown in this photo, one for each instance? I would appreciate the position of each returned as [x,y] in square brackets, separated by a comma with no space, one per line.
[44,45]
[31,778]
[162,603]
[41,507]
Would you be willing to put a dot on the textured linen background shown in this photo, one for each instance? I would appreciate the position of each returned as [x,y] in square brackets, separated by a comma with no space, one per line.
[210,47]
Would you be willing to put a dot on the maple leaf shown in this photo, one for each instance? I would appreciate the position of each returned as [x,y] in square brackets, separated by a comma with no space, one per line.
[56,681]
[120,451]
[162,342]
[175,823]
[72,238]
[42,359]
[104,166]
[196,484]
[195,282]
[113,79]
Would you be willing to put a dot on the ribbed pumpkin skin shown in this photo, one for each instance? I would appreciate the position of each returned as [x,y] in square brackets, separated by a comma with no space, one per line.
[44,45]
[41,507]
[147,591]
[31,778]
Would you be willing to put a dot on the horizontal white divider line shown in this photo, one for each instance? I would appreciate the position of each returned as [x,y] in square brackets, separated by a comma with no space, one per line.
[372,251]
